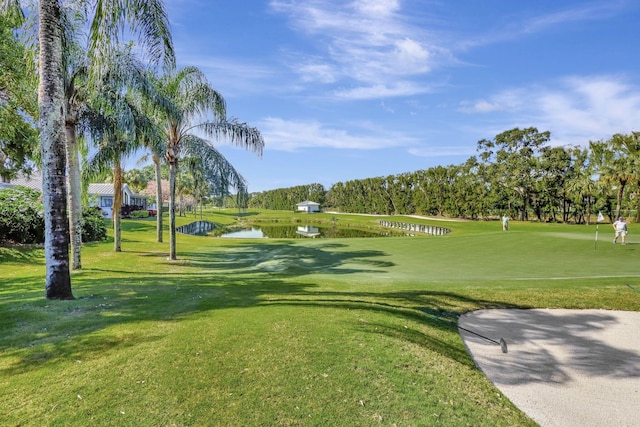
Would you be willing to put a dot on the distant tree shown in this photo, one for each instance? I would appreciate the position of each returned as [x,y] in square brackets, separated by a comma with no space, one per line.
[616,169]
[512,157]
[136,180]
[555,169]
[629,144]
[581,186]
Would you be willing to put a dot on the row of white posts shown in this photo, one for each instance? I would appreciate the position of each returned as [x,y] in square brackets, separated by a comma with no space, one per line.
[418,228]
[198,227]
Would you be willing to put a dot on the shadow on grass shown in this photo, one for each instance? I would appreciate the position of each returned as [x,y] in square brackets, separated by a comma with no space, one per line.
[39,333]
[288,259]
[22,253]
[422,307]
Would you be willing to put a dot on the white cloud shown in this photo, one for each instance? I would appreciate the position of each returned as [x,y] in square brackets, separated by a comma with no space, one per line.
[507,100]
[591,108]
[291,135]
[574,109]
[442,151]
[233,76]
[409,52]
[377,7]
[583,12]
[317,72]
[403,88]
[366,41]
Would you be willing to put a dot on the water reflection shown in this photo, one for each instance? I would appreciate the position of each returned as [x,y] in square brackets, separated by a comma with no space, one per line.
[302,232]
[254,233]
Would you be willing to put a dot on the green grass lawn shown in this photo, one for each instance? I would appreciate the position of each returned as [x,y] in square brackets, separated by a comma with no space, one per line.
[325,332]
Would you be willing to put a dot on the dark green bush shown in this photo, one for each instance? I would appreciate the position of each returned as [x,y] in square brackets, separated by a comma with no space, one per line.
[93,225]
[139,214]
[21,216]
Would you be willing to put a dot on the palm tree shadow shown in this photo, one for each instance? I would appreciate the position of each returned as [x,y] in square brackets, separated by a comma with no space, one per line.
[249,275]
[542,344]
[287,259]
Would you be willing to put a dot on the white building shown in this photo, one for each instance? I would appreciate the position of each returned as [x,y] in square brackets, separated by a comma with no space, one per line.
[308,206]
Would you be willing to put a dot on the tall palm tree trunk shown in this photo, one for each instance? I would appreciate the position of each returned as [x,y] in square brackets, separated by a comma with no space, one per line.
[51,123]
[117,204]
[75,204]
[173,169]
[159,201]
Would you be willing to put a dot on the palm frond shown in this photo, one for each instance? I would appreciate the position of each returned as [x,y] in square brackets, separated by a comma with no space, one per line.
[145,19]
[239,134]
[217,169]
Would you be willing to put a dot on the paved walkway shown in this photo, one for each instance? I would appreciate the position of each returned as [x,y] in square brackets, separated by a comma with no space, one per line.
[563,367]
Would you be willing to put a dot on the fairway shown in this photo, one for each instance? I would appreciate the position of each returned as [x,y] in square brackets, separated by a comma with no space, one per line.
[276,332]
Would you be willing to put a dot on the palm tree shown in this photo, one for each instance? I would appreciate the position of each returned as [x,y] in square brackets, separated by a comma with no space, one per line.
[109,157]
[145,19]
[120,125]
[157,148]
[91,105]
[52,137]
[159,200]
[76,95]
[194,100]
[201,187]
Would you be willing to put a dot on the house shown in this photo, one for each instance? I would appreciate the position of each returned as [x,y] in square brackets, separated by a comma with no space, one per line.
[100,195]
[308,206]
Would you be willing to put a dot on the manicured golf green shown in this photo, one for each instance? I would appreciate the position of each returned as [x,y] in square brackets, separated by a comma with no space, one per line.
[269,332]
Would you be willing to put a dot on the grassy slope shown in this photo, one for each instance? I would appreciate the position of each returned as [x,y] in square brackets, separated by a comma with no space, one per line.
[277,332]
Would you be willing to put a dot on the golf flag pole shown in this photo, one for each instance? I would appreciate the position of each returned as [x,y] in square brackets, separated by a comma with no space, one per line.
[600,218]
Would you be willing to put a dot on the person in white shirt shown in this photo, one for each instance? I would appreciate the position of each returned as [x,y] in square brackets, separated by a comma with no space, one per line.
[505,222]
[620,226]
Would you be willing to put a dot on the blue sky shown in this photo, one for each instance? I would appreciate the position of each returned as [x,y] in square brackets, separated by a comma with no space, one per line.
[351,89]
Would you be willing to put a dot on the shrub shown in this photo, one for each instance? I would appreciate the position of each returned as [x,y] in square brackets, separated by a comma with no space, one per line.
[127,210]
[93,225]
[139,214]
[21,215]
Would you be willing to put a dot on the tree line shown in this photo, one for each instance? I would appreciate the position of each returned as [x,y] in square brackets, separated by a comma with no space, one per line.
[517,173]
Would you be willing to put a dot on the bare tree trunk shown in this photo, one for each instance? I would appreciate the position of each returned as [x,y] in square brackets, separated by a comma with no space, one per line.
[638,204]
[159,201]
[75,204]
[117,204]
[619,195]
[51,123]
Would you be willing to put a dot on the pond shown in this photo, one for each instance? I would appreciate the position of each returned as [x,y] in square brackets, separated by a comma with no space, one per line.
[301,232]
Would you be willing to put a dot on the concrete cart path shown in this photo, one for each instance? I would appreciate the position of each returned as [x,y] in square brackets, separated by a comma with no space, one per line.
[563,367]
